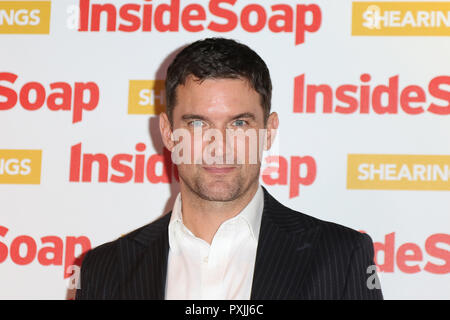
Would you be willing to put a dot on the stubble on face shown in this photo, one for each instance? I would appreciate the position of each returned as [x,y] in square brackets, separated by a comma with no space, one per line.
[220,188]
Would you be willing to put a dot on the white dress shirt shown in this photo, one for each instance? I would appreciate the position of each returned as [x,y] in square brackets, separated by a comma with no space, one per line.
[221,271]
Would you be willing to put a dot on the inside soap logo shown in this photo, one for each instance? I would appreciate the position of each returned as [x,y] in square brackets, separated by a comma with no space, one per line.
[20,166]
[398,172]
[401,19]
[25,17]
[219,16]
[146,97]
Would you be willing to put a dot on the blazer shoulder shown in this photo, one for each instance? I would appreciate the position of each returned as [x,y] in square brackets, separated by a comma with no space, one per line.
[331,233]
[335,234]
[98,268]
[108,251]
[339,237]
[101,266]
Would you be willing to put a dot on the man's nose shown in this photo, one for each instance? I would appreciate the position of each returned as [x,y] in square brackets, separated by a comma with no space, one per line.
[223,145]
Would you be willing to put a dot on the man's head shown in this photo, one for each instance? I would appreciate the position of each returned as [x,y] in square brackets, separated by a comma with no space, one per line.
[218,58]
[218,87]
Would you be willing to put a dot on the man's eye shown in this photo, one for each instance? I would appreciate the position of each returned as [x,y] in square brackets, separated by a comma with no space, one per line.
[239,123]
[196,123]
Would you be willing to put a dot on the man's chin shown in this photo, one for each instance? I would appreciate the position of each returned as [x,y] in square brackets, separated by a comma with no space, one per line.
[218,191]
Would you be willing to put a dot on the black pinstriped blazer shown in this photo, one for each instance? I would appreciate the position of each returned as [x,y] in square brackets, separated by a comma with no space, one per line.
[298,257]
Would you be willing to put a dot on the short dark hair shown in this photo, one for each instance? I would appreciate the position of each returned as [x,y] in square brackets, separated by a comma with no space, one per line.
[218,58]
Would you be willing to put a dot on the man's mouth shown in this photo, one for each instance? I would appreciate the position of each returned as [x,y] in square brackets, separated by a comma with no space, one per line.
[218,169]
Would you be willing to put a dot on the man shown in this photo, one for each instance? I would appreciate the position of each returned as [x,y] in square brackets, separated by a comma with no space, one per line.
[227,237]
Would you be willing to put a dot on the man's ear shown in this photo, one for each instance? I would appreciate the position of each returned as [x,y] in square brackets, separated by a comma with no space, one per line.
[272,127]
[166,131]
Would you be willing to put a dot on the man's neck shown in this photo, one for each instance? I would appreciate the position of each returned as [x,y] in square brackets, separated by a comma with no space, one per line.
[203,218]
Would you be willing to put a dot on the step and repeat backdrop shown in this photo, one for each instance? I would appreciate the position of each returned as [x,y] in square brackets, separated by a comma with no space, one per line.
[362,90]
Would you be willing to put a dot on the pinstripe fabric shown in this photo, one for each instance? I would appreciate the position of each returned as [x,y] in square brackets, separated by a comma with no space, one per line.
[298,257]
[301,257]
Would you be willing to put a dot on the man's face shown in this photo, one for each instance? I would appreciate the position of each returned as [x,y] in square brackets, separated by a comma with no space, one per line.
[218,167]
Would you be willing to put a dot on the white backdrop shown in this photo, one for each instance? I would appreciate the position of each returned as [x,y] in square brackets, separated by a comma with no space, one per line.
[408,219]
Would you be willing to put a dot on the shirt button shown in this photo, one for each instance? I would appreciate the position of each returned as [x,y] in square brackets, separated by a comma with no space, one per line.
[205,259]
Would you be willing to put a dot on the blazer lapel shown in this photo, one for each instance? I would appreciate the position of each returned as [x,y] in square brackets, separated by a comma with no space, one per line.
[284,250]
